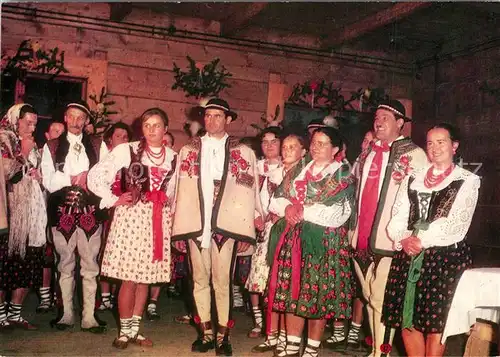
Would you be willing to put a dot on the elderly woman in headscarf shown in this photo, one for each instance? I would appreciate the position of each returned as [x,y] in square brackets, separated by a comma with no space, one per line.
[21,248]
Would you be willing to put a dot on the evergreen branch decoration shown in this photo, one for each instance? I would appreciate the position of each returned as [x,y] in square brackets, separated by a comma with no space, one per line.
[100,114]
[201,81]
[30,57]
[326,96]
[317,95]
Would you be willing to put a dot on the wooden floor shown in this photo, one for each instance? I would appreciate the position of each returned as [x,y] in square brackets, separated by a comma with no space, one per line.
[170,338]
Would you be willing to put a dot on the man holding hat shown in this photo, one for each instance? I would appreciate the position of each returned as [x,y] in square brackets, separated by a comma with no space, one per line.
[74,215]
[216,203]
[382,167]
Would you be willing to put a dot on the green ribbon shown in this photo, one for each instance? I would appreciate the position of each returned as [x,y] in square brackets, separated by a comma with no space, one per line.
[411,286]
[413,277]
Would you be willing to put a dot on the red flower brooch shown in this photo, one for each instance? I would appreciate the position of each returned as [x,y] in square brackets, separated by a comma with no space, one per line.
[190,164]
[401,168]
[197,319]
[230,323]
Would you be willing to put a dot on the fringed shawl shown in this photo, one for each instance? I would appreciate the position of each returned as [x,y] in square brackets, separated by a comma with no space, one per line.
[26,202]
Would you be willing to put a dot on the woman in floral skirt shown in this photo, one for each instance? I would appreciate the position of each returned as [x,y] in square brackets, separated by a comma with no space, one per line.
[293,150]
[311,276]
[270,176]
[431,217]
[138,245]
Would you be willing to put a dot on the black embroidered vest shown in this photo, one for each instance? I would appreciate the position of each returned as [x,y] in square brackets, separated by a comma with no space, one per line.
[136,178]
[83,212]
[440,203]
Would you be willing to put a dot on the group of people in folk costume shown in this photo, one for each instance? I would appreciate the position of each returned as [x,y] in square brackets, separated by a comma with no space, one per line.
[389,233]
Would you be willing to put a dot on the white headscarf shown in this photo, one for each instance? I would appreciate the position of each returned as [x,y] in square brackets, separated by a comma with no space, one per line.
[9,121]
[28,214]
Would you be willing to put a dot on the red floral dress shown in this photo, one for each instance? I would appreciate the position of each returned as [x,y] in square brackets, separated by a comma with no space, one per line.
[321,287]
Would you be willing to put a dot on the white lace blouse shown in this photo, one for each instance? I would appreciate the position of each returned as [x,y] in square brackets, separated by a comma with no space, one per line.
[443,231]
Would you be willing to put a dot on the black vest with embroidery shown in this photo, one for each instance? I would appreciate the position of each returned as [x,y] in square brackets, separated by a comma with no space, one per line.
[64,213]
[136,178]
[440,203]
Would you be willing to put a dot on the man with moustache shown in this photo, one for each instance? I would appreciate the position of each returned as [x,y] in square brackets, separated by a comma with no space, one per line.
[382,167]
[74,215]
[216,202]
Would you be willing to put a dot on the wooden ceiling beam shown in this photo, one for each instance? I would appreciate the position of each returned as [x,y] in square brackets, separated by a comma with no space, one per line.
[118,11]
[241,18]
[370,23]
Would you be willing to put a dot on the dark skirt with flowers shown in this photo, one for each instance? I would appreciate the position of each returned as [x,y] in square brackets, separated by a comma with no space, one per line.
[441,270]
[16,272]
[324,284]
[326,287]
[282,300]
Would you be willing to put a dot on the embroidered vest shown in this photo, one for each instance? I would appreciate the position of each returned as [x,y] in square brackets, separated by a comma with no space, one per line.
[83,212]
[440,203]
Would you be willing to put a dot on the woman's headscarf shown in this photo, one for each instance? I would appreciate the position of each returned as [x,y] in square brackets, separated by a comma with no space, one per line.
[28,215]
[10,120]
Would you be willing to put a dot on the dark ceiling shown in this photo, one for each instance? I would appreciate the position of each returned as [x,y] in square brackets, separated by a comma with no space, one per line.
[413,30]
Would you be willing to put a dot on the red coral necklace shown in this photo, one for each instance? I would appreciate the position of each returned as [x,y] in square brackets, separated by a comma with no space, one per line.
[152,156]
[432,180]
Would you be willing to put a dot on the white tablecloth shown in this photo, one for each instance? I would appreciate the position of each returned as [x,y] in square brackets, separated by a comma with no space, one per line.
[477,296]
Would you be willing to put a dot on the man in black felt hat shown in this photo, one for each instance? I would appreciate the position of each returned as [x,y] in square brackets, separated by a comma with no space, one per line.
[216,203]
[383,166]
[74,215]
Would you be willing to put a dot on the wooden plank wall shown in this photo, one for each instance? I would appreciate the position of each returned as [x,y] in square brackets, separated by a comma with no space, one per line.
[139,69]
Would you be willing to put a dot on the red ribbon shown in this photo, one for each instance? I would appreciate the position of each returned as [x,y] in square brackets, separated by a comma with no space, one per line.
[158,198]
[295,279]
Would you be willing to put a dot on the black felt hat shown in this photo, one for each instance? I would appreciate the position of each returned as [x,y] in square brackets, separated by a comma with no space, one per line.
[221,104]
[396,107]
[82,105]
[316,123]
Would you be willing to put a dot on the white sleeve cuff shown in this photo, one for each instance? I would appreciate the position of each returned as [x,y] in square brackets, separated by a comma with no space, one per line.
[108,202]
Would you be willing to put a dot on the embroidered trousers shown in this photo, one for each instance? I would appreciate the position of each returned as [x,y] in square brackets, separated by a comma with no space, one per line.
[217,265]
[373,285]
[88,250]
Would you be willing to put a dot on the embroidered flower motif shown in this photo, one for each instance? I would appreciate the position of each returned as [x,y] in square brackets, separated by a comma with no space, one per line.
[235,154]
[87,222]
[66,222]
[190,164]
[401,168]
[385,348]
[238,167]
[369,340]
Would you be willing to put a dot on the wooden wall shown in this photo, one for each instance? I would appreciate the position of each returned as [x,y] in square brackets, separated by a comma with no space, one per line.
[138,70]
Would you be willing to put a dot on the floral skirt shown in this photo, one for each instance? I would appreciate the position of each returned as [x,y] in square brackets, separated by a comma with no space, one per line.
[441,270]
[325,283]
[129,247]
[259,269]
[16,272]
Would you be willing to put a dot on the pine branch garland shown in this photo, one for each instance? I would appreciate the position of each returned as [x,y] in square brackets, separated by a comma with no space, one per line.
[201,81]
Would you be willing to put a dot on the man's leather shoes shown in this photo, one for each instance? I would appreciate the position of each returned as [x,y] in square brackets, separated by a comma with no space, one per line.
[224,349]
[60,326]
[353,346]
[202,346]
[95,329]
